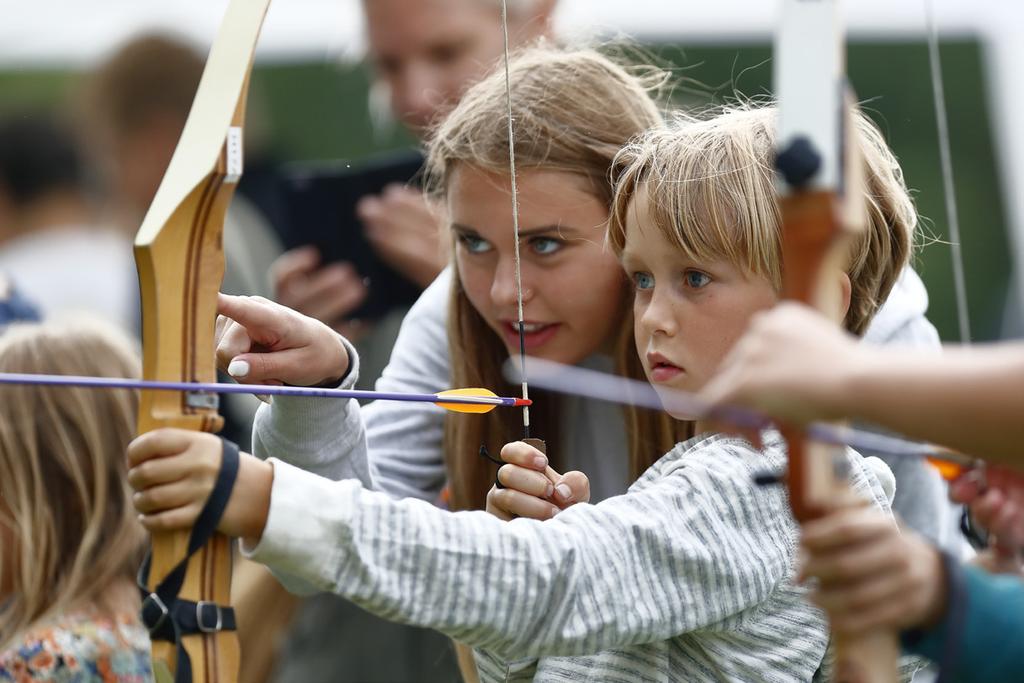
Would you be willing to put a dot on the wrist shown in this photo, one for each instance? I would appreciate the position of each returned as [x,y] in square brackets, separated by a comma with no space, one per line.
[342,366]
[249,508]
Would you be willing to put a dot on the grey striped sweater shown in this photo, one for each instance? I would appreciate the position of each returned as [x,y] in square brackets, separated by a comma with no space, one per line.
[687,577]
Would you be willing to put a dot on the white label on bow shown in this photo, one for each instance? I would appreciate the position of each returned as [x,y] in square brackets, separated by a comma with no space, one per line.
[233,149]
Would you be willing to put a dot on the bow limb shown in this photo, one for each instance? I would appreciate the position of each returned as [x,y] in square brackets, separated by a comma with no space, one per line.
[180,259]
[822,206]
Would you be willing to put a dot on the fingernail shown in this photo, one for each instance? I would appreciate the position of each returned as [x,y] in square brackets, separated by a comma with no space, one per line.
[540,462]
[548,491]
[238,368]
[564,492]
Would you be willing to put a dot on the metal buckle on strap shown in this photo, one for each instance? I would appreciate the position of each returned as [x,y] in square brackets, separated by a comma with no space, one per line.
[153,600]
[203,608]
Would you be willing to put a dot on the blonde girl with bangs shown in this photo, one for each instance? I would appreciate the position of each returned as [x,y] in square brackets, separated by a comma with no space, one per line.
[689,576]
[70,543]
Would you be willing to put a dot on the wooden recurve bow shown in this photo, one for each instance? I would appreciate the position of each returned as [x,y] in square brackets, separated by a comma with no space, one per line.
[180,260]
[822,205]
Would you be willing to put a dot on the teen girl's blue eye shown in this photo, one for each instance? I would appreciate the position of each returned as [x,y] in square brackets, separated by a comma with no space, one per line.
[546,245]
[643,280]
[696,279]
[473,244]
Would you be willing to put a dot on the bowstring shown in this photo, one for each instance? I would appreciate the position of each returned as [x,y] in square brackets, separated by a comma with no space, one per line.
[946,164]
[515,218]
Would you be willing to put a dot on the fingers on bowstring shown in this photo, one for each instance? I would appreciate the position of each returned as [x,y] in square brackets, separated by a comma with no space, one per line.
[494,507]
[524,455]
[530,482]
[572,487]
[519,504]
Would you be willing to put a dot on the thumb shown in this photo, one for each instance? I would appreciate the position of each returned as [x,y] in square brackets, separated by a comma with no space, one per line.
[572,487]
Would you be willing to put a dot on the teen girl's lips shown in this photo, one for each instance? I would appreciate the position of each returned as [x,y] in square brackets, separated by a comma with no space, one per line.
[661,368]
[535,334]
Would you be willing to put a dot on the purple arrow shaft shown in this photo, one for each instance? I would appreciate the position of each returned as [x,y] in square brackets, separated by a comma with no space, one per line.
[265,389]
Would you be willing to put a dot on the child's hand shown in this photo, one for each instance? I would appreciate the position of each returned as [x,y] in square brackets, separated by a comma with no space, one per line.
[870,574]
[262,342]
[533,489]
[173,472]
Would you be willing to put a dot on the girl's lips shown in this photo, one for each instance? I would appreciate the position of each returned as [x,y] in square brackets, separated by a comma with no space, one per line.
[664,372]
[540,334]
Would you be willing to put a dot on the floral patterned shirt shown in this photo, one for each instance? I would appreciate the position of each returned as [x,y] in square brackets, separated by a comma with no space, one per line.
[81,648]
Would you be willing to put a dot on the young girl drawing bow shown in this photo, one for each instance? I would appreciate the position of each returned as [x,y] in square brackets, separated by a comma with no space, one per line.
[69,541]
[689,576]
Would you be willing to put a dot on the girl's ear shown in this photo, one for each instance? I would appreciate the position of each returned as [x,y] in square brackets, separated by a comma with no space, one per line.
[844,294]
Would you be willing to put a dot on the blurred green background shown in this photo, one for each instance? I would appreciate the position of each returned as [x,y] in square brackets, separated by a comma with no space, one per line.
[319,112]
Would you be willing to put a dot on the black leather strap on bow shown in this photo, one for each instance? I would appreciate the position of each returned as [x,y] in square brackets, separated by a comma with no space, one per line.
[167,617]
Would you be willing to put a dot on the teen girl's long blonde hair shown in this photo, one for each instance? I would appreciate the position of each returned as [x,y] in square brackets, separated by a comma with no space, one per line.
[65,504]
[572,111]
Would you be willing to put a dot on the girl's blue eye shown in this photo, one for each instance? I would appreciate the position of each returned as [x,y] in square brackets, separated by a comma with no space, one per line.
[474,244]
[545,245]
[696,279]
[643,280]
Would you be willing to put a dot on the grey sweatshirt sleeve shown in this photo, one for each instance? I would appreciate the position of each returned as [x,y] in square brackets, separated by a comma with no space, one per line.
[392,446]
[696,549]
[322,436]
